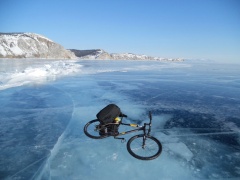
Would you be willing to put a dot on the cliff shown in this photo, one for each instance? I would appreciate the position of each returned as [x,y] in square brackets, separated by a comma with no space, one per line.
[30,45]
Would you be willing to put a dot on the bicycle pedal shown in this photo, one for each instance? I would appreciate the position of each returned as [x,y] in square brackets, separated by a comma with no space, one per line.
[122,139]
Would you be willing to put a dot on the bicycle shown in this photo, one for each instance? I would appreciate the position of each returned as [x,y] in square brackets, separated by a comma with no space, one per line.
[141,146]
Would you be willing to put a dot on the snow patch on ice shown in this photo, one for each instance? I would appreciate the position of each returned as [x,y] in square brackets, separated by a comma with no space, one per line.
[36,75]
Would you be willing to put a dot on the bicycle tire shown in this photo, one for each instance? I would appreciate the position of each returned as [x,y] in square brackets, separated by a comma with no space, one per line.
[152,149]
[91,131]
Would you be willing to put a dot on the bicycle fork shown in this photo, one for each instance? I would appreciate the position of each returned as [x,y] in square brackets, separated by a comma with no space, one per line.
[144,142]
[144,136]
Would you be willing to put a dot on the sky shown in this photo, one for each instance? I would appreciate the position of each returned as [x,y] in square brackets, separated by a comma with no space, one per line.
[190,29]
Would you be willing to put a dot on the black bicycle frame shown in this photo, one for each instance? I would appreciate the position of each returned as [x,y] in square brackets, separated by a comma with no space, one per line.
[142,128]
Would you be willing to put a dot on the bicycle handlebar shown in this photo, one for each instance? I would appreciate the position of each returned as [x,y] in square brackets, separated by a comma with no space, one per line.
[150,117]
[123,115]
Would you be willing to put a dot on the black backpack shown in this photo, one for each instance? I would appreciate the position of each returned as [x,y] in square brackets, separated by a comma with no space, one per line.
[109,113]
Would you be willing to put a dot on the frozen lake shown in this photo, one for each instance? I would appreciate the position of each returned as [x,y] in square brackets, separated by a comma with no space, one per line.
[46,103]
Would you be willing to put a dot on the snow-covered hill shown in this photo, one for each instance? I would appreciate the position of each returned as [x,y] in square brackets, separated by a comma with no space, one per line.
[101,54]
[31,45]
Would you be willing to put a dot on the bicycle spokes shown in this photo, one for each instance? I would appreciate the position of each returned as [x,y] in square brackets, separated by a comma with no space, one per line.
[144,147]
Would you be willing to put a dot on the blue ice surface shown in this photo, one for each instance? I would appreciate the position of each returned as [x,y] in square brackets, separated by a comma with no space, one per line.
[195,110]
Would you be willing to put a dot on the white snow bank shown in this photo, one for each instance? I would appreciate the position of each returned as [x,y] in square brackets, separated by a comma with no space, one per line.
[2,51]
[36,75]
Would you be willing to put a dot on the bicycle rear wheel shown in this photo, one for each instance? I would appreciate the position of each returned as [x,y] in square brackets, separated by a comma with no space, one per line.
[92,129]
[151,150]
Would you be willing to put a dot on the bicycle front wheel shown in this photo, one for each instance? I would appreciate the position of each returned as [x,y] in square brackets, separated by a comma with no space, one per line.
[148,151]
[92,129]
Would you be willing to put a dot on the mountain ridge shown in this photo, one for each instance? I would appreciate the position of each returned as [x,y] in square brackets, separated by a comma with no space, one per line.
[32,45]
[100,54]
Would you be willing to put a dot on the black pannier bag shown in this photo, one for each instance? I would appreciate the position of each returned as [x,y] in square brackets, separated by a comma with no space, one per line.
[108,114]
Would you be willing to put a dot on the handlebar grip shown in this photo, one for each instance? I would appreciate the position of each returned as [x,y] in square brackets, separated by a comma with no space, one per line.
[122,115]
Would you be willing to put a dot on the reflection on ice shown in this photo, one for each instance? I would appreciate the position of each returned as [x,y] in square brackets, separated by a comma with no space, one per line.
[195,116]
